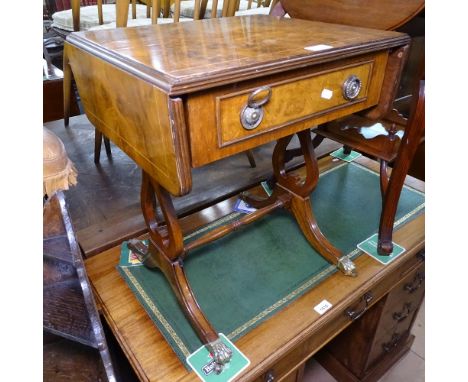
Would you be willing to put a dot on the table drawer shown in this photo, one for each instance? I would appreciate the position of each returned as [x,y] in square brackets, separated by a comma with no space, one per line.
[401,306]
[236,118]
[289,101]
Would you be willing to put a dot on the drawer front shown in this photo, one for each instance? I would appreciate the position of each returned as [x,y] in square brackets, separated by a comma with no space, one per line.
[284,104]
[290,101]
[398,315]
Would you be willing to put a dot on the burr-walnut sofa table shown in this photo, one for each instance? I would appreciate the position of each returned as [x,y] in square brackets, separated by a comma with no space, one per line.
[279,347]
[179,96]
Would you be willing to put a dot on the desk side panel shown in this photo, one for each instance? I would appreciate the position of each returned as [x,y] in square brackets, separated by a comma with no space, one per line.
[137,116]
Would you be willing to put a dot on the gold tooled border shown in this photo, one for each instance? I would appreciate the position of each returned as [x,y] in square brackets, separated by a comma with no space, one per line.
[277,304]
[156,312]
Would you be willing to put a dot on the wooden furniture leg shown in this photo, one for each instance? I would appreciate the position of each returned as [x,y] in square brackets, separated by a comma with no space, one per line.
[298,197]
[251,158]
[67,88]
[166,252]
[408,146]
[384,178]
[300,205]
[98,138]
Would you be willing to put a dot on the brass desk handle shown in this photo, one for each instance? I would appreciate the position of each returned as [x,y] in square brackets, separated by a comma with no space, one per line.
[389,346]
[251,102]
[415,284]
[351,87]
[353,314]
[400,316]
[252,113]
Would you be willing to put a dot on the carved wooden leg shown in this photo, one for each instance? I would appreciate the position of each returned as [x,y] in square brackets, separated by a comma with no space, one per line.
[409,144]
[300,204]
[166,252]
[383,177]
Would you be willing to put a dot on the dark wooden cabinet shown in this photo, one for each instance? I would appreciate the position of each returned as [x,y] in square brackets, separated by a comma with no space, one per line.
[373,343]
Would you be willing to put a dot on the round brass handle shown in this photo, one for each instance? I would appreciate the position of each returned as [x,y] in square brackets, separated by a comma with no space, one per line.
[351,87]
[253,103]
[252,114]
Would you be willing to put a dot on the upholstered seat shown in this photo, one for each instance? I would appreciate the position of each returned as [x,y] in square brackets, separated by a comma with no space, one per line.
[254,11]
[59,173]
[187,8]
[89,16]
[138,23]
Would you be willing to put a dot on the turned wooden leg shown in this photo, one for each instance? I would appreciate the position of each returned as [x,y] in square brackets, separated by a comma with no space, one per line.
[300,204]
[409,144]
[166,252]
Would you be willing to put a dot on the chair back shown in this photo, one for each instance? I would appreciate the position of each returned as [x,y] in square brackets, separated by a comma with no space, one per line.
[121,12]
[377,14]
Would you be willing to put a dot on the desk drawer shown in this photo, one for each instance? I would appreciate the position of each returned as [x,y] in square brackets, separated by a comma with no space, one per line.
[287,103]
[400,310]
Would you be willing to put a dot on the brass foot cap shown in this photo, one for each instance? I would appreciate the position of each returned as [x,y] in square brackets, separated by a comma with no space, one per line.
[346,266]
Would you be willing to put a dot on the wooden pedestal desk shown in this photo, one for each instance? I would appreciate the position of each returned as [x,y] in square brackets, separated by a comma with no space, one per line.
[179,96]
[278,347]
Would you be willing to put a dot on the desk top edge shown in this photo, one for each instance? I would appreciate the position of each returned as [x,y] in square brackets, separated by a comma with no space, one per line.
[154,62]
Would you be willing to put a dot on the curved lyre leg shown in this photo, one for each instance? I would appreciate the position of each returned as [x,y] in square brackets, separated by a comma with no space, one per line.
[300,204]
[166,252]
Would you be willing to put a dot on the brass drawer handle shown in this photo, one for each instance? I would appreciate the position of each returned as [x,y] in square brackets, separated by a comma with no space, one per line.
[252,113]
[415,284]
[393,343]
[351,87]
[269,376]
[253,103]
[354,314]
[400,316]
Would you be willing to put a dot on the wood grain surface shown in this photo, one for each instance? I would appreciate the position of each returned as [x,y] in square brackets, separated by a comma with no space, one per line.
[184,57]
[296,104]
[136,116]
[379,14]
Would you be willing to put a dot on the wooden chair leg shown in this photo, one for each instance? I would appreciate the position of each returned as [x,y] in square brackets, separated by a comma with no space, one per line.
[97,145]
[408,146]
[384,178]
[98,138]
[251,158]
[107,146]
